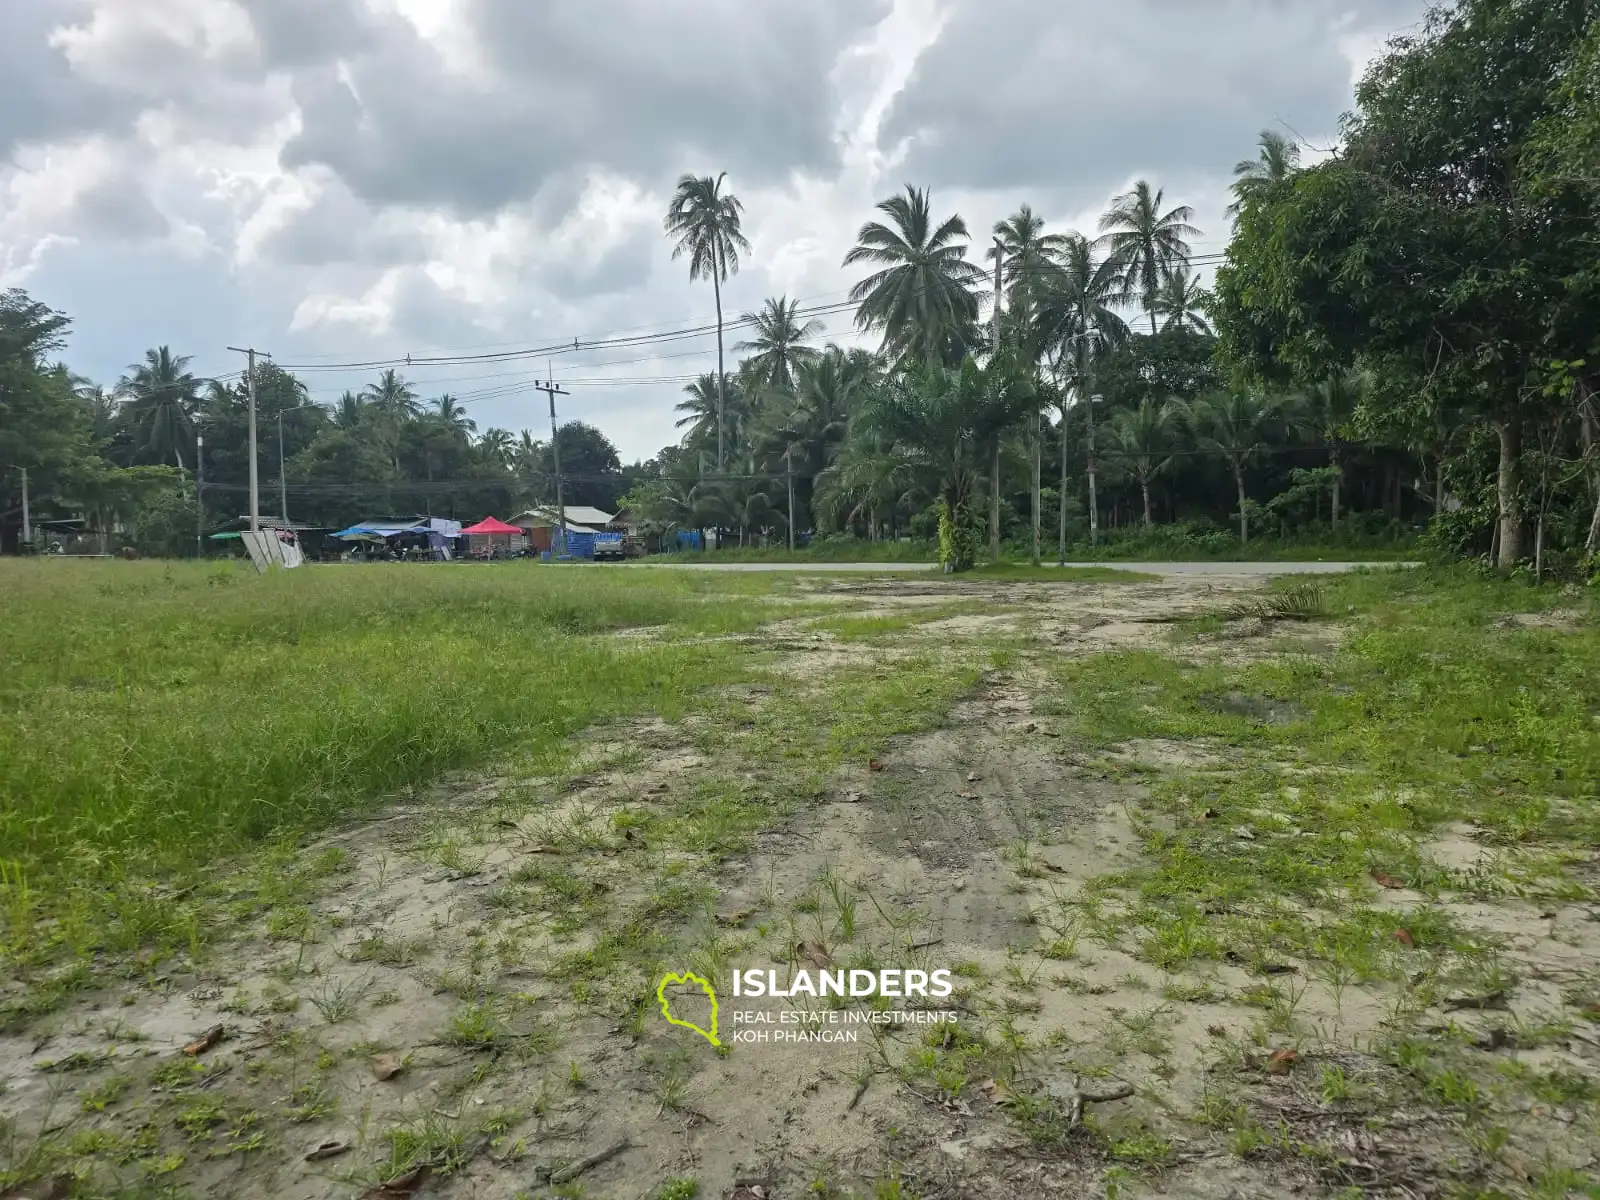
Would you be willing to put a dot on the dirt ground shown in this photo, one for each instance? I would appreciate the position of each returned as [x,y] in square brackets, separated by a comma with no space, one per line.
[464,1003]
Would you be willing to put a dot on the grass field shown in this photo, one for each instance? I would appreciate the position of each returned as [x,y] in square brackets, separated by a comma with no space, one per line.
[1302,881]
[159,717]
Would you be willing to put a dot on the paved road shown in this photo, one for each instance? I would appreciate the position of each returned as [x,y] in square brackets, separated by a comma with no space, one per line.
[1149,568]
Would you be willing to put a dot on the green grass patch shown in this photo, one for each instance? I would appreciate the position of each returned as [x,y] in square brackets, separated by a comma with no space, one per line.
[157,718]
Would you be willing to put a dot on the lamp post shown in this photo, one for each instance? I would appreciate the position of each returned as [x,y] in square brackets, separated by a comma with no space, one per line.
[200,495]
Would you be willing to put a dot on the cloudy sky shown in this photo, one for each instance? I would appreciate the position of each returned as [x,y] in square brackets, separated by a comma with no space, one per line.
[346,181]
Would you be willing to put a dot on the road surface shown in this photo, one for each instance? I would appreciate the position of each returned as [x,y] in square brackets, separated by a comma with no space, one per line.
[1148,568]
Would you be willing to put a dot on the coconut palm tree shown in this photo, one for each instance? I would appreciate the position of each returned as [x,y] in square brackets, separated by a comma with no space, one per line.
[706,222]
[496,447]
[1077,321]
[778,345]
[448,412]
[1181,301]
[1236,426]
[1145,243]
[1027,255]
[1278,159]
[160,398]
[350,412]
[921,298]
[1141,438]
[395,402]
[702,411]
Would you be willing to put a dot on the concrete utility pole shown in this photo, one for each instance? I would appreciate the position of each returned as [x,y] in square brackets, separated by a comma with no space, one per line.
[255,488]
[283,488]
[994,466]
[552,391]
[200,495]
[27,524]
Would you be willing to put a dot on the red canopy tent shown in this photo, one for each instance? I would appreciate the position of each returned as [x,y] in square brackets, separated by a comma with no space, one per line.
[490,525]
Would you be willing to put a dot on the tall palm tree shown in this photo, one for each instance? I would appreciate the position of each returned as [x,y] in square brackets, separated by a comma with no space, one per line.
[1023,251]
[706,222]
[921,299]
[1142,438]
[395,402]
[1181,301]
[1027,256]
[778,345]
[161,398]
[1236,426]
[1145,243]
[1077,320]
[448,412]
[1278,159]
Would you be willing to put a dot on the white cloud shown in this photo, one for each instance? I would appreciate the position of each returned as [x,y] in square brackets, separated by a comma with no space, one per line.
[365,178]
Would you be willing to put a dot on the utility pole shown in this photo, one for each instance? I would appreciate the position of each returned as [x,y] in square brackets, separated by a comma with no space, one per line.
[200,495]
[788,470]
[27,525]
[994,472]
[552,391]
[255,489]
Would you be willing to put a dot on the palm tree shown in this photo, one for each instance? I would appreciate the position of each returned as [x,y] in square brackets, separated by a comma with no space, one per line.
[705,220]
[942,423]
[1181,301]
[921,298]
[393,399]
[449,413]
[350,411]
[1279,158]
[392,396]
[1027,256]
[1326,409]
[161,397]
[496,447]
[777,344]
[1145,243]
[1235,426]
[1142,439]
[1076,317]
[1024,252]
[702,411]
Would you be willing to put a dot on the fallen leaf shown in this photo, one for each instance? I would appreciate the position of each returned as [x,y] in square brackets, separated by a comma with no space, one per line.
[874,765]
[386,1066]
[1385,880]
[328,1149]
[206,1040]
[400,1186]
[972,777]
[537,850]
[1404,937]
[853,797]
[1281,1061]
[815,953]
[735,918]
[967,795]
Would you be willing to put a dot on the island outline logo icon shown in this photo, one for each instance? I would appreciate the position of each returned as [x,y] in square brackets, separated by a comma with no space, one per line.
[689,977]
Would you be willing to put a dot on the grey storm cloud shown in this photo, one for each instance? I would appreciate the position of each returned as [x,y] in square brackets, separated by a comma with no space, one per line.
[119,209]
[643,87]
[1077,97]
[41,99]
